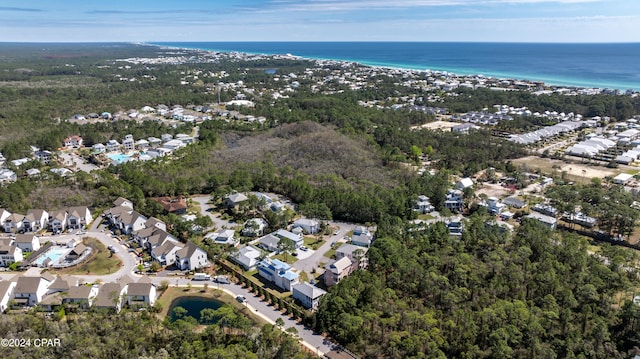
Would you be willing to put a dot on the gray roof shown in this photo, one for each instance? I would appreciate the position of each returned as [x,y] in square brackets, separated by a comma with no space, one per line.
[340,265]
[308,290]
[139,289]
[106,295]
[79,292]
[4,287]
[188,250]
[270,241]
[28,284]
[24,238]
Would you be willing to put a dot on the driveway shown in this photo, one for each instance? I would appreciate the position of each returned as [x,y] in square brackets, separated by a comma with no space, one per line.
[206,210]
[313,261]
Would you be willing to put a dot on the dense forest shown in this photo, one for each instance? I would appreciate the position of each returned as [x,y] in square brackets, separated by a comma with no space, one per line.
[537,294]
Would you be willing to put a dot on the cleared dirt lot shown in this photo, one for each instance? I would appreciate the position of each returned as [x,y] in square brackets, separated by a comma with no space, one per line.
[575,171]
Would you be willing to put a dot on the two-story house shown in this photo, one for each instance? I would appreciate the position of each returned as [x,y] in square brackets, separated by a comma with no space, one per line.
[191,257]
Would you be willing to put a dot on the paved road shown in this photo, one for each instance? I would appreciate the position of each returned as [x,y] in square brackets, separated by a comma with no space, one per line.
[314,260]
[203,202]
[308,337]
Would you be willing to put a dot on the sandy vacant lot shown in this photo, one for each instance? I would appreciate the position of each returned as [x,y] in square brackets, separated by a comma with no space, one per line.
[437,125]
[574,170]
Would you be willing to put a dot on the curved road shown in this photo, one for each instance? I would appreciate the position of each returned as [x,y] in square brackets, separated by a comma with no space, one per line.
[311,340]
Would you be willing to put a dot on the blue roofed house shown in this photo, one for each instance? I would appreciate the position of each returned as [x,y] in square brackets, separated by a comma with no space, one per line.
[278,272]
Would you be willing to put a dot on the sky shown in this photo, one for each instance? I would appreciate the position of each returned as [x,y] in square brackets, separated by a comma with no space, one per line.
[320,20]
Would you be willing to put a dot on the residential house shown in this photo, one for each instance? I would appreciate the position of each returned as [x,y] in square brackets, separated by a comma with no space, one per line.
[78,217]
[27,242]
[254,227]
[356,254]
[9,253]
[309,226]
[131,221]
[153,222]
[6,291]
[278,272]
[32,172]
[247,257]
[113,145]
[123,202]
[58,221]
[154,141]
[7,175]
[165,253]
[142,144]
[58,285]
[423,205]
[141,294]
[128,143]
[464,183]
[494,206]
[362,239]
[176,205]
[34,220]
[13,223]
[514,202]
[191,257]
[234,199]
[4,214]
[295,238]
[98,148]
[269,243]
[110,296]
[43,156]
[548,221]
[29,291]
[74,141]
[223,236]
[158,238]
[166,137]
[336,271]
[455,227]
[308,295]
[173,145]
[454,200]
[81,296]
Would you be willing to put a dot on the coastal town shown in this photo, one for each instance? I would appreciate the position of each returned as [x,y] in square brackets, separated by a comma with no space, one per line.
[272,246]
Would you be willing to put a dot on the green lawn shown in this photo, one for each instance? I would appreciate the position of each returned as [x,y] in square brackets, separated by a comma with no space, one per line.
[312,242]
[331,253]
[287,258]
[100,263]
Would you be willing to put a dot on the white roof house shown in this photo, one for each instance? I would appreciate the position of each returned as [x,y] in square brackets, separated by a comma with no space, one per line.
[622,178]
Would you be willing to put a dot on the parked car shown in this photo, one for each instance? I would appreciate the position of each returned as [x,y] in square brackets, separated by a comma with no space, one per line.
[241,298]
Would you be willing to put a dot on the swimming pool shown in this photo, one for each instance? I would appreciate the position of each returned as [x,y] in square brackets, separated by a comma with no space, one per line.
[54,253]
[119,157]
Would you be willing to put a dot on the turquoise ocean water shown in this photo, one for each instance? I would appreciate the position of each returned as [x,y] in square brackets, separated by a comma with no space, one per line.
[615,66]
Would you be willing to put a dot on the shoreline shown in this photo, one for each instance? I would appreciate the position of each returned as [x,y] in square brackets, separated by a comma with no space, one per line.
[455,72]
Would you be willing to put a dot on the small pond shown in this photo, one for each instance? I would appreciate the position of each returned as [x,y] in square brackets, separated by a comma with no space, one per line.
[271,71]
[193,305]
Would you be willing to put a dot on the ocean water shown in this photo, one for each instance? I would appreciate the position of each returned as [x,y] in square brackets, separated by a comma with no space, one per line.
[615,66]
